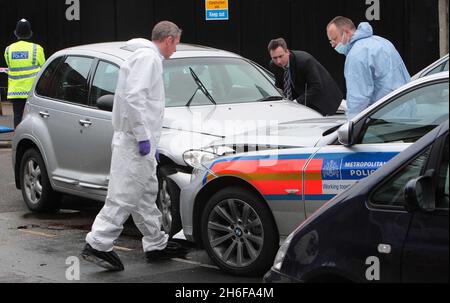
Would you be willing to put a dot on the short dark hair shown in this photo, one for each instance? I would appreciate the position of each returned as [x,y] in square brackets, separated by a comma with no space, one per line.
[342,22]
[276,43]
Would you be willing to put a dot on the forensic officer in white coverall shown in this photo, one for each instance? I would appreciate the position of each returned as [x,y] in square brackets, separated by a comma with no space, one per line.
[137,120]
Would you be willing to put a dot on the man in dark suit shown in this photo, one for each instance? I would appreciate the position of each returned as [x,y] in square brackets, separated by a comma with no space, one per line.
[304,79]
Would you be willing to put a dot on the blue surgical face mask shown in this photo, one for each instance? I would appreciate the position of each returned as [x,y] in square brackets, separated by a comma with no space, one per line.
[342,48]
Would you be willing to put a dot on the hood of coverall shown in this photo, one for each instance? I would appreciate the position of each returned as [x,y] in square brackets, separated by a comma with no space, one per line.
[364,31]
[135,44]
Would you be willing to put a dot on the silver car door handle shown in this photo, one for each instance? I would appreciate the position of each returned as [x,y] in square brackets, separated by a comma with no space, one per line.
[44,115]
[85,123]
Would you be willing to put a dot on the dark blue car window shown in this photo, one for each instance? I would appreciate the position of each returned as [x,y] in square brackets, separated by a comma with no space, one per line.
[391,192]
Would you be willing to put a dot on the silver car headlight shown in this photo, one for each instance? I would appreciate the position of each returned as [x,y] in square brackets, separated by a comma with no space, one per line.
[195,158]
[282,252]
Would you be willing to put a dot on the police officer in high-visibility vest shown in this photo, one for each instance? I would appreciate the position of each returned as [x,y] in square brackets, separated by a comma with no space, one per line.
[24,60]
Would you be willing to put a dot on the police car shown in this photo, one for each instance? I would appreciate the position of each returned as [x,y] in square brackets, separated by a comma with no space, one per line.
[240,206]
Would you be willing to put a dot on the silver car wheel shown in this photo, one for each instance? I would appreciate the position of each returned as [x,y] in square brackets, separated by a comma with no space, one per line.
[166,205]
[235,233]
[32,181]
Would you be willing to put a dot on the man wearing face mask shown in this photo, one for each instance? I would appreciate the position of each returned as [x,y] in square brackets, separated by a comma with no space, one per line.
[373,67]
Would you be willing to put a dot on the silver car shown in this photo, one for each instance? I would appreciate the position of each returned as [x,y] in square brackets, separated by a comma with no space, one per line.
[240,206]
[63,144]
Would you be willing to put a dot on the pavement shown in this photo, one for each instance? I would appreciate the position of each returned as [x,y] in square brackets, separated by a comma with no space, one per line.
[6,119]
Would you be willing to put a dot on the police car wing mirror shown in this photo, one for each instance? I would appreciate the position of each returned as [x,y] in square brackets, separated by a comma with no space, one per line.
[106,102]
[419,195]
[345,134]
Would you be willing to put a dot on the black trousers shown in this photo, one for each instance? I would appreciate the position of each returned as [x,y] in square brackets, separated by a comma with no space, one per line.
[18,107]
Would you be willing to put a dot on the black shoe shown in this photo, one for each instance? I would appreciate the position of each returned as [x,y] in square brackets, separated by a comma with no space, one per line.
[109,260]
[172,250]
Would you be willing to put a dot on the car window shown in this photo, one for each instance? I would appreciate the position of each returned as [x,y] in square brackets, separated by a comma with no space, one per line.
[104,82]
[228,80]
[446,66]
[70,83]
[43,88]
[435,70]
[443,188]
[409,117]
[392,190]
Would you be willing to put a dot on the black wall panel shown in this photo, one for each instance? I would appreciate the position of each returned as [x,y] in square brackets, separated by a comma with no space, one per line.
[183,13]
[98,21]
[134,18]
[220,34]
[269,19]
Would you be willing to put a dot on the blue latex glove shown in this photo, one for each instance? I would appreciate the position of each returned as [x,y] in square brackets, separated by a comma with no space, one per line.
[157,156]
[144,148]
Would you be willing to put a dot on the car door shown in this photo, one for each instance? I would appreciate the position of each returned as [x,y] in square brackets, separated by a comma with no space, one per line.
[97,130]
[382,134]
[426,253]
[59,112]
[386,225]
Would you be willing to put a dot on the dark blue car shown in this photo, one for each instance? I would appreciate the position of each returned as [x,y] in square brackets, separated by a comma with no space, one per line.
[390,227]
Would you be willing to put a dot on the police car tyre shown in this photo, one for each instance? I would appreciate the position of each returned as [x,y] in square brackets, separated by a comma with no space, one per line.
[37,191]
[239,233]
[168,202]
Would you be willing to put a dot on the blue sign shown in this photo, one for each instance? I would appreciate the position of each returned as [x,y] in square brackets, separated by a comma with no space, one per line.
[216,9]
[217,15]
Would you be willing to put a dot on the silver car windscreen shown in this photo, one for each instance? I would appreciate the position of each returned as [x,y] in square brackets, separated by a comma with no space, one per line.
[228,81]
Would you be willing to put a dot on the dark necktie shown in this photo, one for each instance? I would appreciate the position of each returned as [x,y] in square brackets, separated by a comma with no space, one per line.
[287,84]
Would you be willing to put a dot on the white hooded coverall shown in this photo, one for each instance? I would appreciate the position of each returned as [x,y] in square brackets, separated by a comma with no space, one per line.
[137,116]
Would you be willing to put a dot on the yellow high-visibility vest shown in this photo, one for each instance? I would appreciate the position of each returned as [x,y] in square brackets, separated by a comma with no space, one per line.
[24,60]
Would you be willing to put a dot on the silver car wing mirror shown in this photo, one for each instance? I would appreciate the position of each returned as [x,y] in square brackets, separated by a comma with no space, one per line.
[345,134]
[106,102]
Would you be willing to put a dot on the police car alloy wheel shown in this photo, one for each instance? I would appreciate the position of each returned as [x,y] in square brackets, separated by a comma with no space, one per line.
[239,233]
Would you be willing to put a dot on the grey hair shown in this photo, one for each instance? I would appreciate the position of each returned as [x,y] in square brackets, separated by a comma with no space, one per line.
[165,29]
[342,22]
